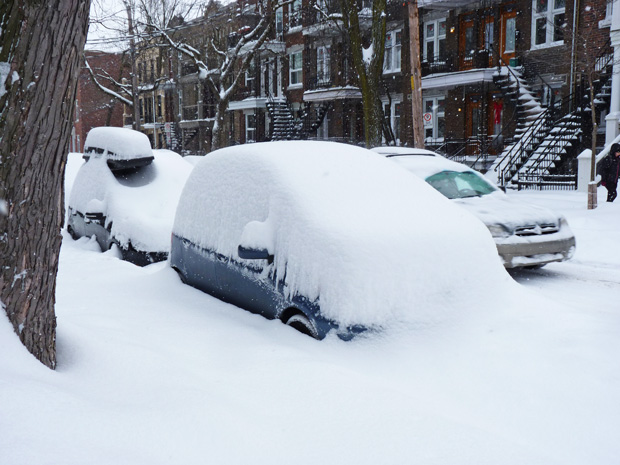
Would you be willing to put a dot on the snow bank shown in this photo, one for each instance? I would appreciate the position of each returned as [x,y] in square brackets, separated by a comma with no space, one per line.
[120,143]
[140,206]
[347,226]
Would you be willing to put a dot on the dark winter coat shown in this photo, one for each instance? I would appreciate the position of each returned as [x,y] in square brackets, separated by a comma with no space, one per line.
[610,169]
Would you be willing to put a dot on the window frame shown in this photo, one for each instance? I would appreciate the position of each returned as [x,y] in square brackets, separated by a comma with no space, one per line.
[435,39]
[393,50]
[295,71]
[323,64]
[548,15]
[437,115]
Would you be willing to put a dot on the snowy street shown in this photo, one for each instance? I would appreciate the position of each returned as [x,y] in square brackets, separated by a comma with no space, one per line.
[151,371]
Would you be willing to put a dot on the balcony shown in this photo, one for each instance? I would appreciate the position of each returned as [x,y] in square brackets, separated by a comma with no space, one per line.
[323,88]
[455,70]
[450,63]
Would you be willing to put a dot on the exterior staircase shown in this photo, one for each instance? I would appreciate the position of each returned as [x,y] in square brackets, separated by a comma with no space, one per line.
[282,120]
[552,153]
[284,126]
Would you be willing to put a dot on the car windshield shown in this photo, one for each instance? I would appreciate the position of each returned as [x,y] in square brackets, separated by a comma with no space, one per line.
[459,185]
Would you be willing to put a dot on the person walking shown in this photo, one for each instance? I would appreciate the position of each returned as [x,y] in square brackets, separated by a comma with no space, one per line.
[610,172]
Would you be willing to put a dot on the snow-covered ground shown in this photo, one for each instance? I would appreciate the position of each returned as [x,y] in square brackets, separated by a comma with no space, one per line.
[151,371]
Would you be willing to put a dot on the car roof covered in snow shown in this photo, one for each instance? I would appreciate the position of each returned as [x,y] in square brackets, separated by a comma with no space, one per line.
[391,151]
[424,167]
[123,148]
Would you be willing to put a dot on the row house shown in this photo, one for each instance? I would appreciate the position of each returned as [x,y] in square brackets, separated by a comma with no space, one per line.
[502,81]
[305,84]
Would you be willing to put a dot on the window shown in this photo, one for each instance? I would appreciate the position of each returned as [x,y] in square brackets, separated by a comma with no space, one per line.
[511,35]
[391,59]
[250,75]
[434,118]
[392,116]
[295,69]
[323,74]
[322,133]
[548,22]
[294,16]
[250,127]
[434,40]
[279,22]
[159,106]
[488,35]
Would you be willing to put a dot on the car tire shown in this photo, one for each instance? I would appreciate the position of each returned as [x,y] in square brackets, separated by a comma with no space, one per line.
[71,232]
[302,324]
[179,274]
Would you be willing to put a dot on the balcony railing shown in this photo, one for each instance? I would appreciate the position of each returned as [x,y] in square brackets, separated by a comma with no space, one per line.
[190,112]
[449,63]
[328,82]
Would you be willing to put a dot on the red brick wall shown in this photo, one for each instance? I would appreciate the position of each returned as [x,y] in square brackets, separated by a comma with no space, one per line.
[94,107]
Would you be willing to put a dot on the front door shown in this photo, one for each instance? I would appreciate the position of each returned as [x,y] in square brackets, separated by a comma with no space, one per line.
[508,35]
[467,43]
[473,124]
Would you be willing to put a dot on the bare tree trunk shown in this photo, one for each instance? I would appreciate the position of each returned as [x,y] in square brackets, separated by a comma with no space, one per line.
[369,72]
[42,42]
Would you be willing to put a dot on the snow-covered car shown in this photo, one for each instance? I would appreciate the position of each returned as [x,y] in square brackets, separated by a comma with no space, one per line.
[525,235]
[325,237]
[125,194]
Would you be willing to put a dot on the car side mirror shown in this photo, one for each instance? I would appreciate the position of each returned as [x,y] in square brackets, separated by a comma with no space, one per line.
[249,253]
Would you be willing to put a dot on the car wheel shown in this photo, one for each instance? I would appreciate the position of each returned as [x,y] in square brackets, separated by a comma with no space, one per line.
[302,324]
[179,274]
[71,232]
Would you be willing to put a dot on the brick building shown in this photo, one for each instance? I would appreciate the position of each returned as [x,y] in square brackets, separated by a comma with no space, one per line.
[94,107]
[503,81]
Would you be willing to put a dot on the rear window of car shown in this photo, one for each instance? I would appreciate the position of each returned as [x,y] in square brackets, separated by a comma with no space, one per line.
[460,185]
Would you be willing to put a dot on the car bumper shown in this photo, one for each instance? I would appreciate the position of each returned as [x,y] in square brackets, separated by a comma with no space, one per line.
[536,252]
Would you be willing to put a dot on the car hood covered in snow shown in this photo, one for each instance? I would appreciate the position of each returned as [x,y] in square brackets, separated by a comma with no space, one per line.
[497,208]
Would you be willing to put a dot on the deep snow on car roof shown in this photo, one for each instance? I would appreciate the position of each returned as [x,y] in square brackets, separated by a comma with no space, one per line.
[427,166]
[346,225]
[393,151]
[120,143]
[140,207]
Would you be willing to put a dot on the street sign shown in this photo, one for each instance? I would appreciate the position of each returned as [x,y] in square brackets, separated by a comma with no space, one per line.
[428,120]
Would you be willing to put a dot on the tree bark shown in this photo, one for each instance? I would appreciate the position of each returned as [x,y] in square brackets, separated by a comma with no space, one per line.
[42,42]
[369,72]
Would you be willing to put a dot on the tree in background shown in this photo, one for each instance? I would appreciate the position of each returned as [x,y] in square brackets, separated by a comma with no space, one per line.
[41,44]
[367,51]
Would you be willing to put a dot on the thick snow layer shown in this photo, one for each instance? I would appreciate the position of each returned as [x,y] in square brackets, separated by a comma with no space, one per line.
[140,206]
[120,143]
[153,372]
[498,208]
[424,166]
[347,226]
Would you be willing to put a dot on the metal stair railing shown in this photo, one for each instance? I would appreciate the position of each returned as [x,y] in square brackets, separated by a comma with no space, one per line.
[523,145]
[554,147]
[546,157]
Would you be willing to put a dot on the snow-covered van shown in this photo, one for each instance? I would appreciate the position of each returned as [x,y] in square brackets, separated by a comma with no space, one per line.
[326,237]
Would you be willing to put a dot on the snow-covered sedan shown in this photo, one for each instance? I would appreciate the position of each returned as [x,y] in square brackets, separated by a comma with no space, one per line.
[525,235]
[327,237]
[125,194]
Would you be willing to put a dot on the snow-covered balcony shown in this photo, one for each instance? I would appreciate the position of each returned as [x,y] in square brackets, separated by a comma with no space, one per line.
[324,88]
[247,99]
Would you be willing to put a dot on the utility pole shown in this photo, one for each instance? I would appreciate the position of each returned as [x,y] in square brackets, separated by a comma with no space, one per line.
[416,76]
[134,77]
